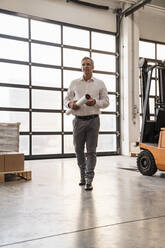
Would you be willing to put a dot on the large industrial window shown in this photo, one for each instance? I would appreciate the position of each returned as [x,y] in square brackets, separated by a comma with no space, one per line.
[153,51]
[38,60]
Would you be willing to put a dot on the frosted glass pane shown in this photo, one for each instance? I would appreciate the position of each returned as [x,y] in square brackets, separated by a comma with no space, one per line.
[12,49]
[12,116]
[152,88]
[14,25]
[152,105]
[68,144]
[146,50]
[140,105]
[45,31]
[104,42]
[112,105]
[46,122]
[106,143]
[24,144]
[14,74]
[109,80]
[76,37]
[153,71]
[139,86]
[140,123]
[46,144]
[69,76]
[104,62]
[161,52]
[157,86]
[46,54]
[13,97]
[68,120]
[49,77]
[72,58]
[45,99]
[107,122]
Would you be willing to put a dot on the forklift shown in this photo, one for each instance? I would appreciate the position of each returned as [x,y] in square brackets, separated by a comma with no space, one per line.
[152,137]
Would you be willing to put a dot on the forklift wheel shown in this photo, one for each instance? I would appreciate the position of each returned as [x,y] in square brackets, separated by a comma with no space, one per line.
[146,163]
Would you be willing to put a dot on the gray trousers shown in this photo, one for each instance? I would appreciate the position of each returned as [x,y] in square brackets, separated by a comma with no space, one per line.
[85,132]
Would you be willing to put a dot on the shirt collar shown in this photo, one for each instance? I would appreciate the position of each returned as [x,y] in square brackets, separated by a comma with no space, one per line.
[91,79]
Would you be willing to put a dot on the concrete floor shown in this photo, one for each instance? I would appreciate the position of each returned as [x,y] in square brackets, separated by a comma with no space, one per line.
[125,209]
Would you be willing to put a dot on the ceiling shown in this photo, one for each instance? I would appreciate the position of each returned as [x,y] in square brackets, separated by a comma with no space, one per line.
[155,3]
[159,3]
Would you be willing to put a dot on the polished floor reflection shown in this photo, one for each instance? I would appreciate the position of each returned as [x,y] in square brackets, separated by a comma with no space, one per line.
[124,210]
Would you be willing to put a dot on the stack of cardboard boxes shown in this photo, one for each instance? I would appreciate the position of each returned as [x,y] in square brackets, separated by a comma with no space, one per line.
[11,161]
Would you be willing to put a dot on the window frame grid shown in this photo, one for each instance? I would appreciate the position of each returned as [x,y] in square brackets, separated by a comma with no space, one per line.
[30,41]
[155,60]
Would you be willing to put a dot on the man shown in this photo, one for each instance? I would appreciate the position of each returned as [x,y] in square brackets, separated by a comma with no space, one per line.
[86,123]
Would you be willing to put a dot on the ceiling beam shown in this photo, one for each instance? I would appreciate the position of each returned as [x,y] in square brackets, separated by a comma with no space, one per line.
[89,4]
[135,7]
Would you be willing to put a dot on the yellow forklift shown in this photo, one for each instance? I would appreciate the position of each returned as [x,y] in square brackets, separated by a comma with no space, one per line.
[152,137]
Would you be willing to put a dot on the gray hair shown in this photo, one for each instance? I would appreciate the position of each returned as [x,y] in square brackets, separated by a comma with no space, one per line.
[89,59]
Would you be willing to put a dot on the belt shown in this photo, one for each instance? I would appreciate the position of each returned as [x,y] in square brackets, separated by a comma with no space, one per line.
[86,117]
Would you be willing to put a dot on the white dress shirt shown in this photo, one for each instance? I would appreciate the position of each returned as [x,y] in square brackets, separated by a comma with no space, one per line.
[95,88]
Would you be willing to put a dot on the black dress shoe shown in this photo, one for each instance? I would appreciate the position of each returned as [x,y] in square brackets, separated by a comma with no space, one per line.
[82,182]
[88,186]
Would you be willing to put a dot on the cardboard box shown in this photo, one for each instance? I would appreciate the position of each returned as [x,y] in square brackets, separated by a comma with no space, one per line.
[2,163]
[13,161]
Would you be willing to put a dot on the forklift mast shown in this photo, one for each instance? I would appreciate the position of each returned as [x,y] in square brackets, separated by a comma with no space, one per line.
[150,129]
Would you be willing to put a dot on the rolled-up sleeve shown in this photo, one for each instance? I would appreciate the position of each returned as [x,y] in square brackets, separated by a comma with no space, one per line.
[70,96]
[103,100]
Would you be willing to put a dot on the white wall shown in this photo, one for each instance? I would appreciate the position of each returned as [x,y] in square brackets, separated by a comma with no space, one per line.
[152,24]
[129,82]
[60,10]
[149,24]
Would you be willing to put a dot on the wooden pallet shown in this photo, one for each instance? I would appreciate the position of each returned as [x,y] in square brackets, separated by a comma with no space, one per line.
[27,175]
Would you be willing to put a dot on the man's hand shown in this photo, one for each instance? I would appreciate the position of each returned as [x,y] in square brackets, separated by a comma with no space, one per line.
[91,102]
[73,105]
